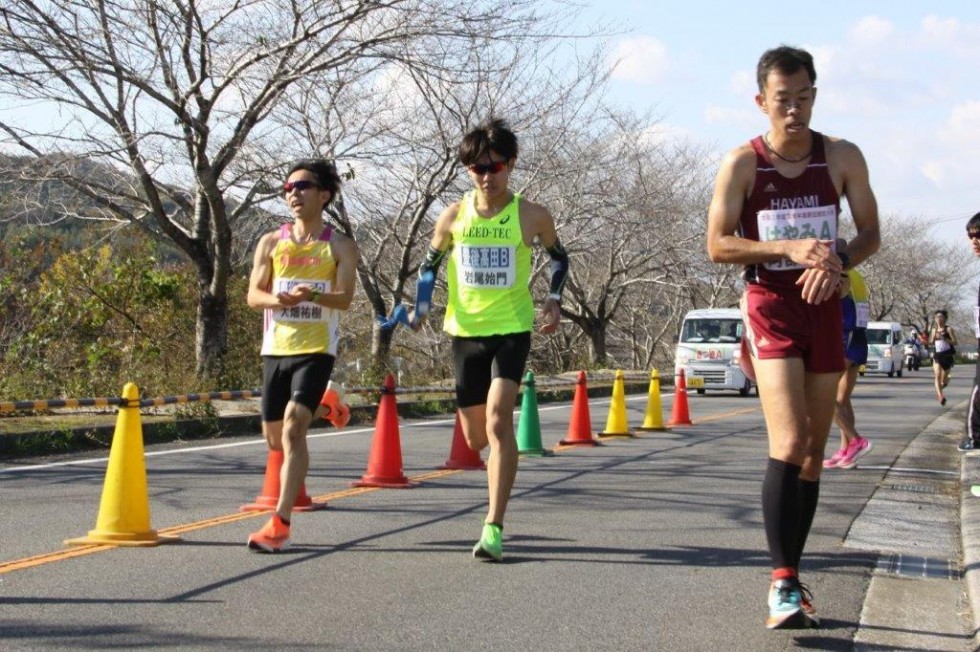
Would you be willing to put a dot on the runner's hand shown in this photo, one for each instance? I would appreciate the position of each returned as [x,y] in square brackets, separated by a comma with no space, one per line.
[813,254]
[551,315]
[819,285]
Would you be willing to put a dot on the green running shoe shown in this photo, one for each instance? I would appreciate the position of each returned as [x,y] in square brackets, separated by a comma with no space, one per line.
[490,546]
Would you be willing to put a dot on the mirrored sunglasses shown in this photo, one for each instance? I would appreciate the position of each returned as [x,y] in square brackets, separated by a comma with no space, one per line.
[302,184]
[487,168]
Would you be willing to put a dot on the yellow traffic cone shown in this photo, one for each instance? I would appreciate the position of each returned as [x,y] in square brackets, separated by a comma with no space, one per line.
[124,514]
[616,425]
[654,419]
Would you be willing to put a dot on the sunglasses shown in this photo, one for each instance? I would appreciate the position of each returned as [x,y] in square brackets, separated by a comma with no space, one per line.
[487,168]
[302,184]
[973,235]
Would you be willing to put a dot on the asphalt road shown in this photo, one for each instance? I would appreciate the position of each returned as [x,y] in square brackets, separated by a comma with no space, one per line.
[653,542]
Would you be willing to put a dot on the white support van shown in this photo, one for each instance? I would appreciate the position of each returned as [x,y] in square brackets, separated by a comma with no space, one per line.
[885,348]
[708,351]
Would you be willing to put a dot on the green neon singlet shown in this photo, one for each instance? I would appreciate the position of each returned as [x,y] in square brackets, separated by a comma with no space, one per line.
[488,273]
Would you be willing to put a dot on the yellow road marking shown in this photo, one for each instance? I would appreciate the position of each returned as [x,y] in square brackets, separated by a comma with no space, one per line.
[79,551]
[60,555]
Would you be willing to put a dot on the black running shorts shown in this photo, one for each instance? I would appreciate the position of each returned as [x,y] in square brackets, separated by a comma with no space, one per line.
[479,360]
[298,378]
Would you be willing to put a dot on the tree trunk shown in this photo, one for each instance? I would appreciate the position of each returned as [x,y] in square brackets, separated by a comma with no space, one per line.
[597,338]
[211,334]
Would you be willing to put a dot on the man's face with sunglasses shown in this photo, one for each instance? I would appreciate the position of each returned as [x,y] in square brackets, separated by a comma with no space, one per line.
[490,173]
[974,236]
[303,195]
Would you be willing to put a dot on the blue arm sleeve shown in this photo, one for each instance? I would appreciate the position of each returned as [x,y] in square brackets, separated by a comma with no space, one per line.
[427,280]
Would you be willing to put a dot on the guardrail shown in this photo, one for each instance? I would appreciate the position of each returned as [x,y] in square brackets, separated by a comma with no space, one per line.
[600,378]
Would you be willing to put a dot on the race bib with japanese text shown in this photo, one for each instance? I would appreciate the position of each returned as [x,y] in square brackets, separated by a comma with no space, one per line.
[487,266]
[796,224]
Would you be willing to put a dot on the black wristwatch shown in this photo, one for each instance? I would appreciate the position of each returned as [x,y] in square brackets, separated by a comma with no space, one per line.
[845,260]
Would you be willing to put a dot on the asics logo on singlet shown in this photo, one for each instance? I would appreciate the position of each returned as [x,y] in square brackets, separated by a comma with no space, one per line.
[770,188]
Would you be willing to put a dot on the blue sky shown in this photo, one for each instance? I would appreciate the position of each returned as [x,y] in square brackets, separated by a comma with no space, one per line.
[900,79]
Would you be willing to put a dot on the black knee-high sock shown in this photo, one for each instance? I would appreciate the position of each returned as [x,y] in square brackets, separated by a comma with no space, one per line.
[809,494]
[782,512]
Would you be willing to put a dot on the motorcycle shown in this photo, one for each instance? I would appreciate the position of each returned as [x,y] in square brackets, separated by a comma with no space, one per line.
[911,356]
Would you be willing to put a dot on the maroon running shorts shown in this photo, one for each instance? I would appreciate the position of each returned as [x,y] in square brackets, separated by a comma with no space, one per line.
[780,324]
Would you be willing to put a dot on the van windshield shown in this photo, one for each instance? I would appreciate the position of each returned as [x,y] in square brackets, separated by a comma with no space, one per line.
[879,336]
[711,330]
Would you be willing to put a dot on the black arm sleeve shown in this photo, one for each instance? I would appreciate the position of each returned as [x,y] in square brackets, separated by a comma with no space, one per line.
[433,258]
[559,268]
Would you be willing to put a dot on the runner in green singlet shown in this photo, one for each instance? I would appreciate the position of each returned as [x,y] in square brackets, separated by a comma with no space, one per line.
[490,312]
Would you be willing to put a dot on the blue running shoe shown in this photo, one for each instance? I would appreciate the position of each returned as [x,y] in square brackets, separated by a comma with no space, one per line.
[786,606]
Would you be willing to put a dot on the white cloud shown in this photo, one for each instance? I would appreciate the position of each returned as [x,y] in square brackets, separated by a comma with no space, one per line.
[641,59]
[743,118]
[872,31]
[744,83]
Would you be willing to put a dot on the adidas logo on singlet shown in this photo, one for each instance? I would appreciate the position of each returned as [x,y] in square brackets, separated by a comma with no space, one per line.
[770,188]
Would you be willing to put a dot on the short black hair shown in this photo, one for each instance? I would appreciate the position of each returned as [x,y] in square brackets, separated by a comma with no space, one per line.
[943,313]
[493,135]
[785,59]
[323,170]
[974,224]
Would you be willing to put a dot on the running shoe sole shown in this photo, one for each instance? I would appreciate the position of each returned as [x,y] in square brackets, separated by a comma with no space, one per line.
[258,546]
[794,620]
[482,553]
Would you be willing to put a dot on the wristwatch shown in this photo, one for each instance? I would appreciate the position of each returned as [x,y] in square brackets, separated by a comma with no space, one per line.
[555,296]
[845,260]
[314,295]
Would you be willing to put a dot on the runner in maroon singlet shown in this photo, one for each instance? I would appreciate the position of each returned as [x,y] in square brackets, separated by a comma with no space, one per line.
[775,210]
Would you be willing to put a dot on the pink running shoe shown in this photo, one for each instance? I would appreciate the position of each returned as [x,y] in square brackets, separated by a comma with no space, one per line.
[859,447]
[832,462]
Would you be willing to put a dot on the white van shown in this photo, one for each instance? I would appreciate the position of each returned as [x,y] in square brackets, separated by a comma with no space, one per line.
[885,348]
[708,350]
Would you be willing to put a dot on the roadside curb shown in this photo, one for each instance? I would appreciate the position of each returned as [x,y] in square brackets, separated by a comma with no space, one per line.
[970,531]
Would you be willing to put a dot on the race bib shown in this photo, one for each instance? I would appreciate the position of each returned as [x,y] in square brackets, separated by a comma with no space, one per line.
[487,266]
[796,224]
[862,314]
[306,311]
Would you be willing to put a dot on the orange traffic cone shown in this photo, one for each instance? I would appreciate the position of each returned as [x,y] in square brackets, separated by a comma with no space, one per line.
[679,415]
[461,456]
[384,467]
[269,497]
[580,427]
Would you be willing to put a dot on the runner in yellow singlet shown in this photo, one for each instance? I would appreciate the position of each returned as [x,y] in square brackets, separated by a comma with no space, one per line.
[303,276]
[490,312]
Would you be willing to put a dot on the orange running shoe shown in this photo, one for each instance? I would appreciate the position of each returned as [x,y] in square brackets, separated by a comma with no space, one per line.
[273,537]
[336,411]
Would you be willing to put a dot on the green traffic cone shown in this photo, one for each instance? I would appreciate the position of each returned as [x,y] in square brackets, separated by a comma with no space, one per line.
[529,427]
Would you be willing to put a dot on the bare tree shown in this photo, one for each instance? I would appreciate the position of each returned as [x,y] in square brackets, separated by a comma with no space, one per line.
[630,206]
[400,149]
[174,96]
[913,275]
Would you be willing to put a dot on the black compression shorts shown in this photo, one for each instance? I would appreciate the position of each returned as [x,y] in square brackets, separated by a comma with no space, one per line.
[479,360]
[298,378]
